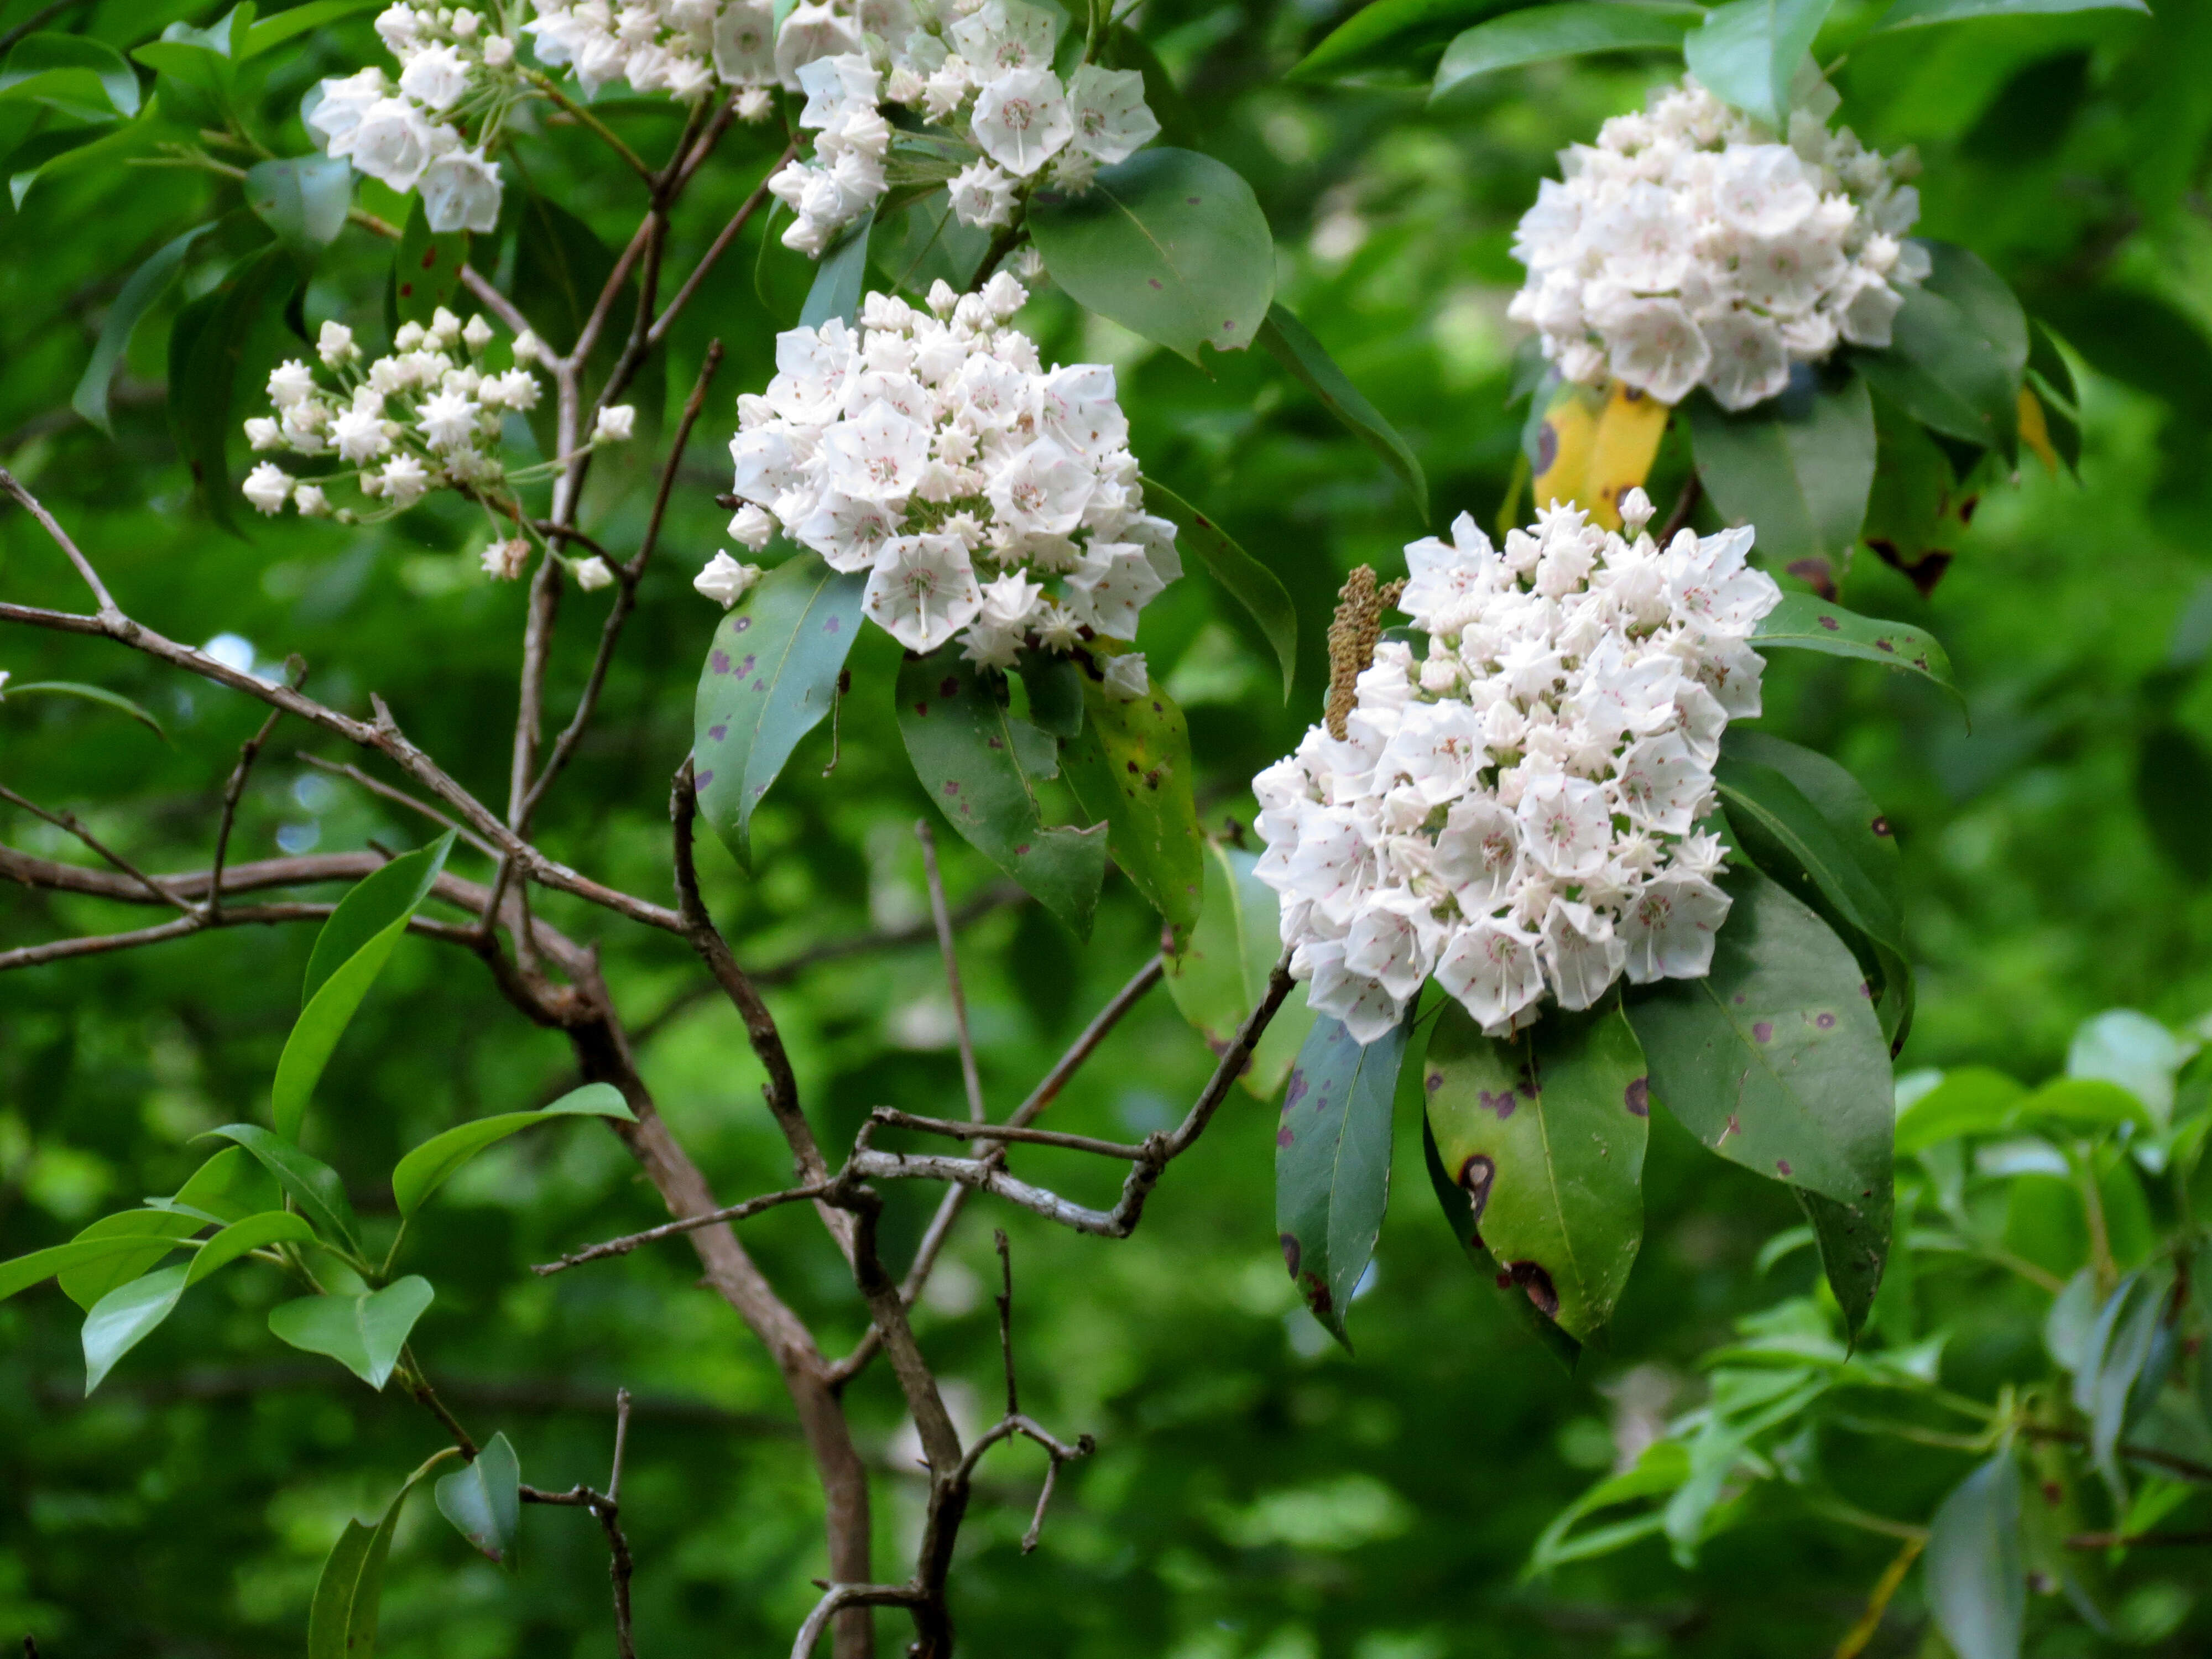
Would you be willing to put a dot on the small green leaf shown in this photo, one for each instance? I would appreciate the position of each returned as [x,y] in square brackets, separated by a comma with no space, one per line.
[1774,1060]
[425,266]
[1568,30]
[1169,243]
[163,1231]
[25,1271]
[484,1500]
[1388,35]
[273,32]
[364,1334]
[1957,354]
[255,1232]
[1747,53]
[1977,1585]
[230,1186]
[924,242]
[314,1185]
[771,678]
[1248,581]
[839,276]
[1798,467]
[1854,1244]
[960,735]
[1296,349]
[305,199]
[1970,1100]
[146,286]
[99,694]
[56,154]
[1054,685]
[1218,974]
[2123,1367]
[428,1166]
[1131,766]
[342,1619]
[72,73]
[126,1317]
[1545,1133]
[1918,14]
[206,344]
[1662,1469]
[1332,1163]
[2086,1106]
[349,953]
[1805,622]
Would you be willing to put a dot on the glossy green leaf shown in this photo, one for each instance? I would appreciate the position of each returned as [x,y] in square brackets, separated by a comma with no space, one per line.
[139,294]
[1218,974]
[56,154]
[839,276]
[1774,1060]
[1797,467]
[1854,1244]
[1918,14]
[428,1166]
[1957,353]
[1248,581]
[272,32]
[1054,685]
[1662,1469]
[1977,1583]
[1333,1164]
[961,736]
[230,1186]
[343,1618]
[1294,346]
[39,1266]
[349,953]
[1857,819]
[206,345]
[925,242]
[2118,1378]
[99,694]
[1573,29]
[425,266]
[126,1317]
[1459,1215]
[1544,1133]
[73,73]
[1805,622]
[364,1334]
[1131,766]
[771,678]
[484,1500]
[1391,35]
[255,1232]
[312,1185]
[2085,1106]
[1970,1100]
[1747,52]
[1170,243]
[304,199]
[163,1231]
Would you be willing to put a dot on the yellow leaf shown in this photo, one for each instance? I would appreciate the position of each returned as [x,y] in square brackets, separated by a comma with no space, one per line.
[1596,446]
[2035,432]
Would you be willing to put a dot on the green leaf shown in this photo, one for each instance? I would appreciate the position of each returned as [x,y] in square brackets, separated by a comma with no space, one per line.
[349,953]
[163,1231]
[2122,1369]
[1805,622]
[1664,1466]
[1307,359]
[55,155]
[1854,1244]
[839,276]
[1391,34]
[99,694]
[425,266]
[428,1166]
[146,286]
[1858,822]
[364,1334]
[1332,1163]
[1918,14]
[1957,354]
[1774,1060]
[561,268]
[1218,972]
[1571,30]
[1248,581]
[771,678]
[1977,1585]
[2086,1106]
[1970,1100]
[255,1232]
[925,242]
[342,1618]
[206,344]
[1798,467]
[230,1186]
[126,1317]
[1747,52]
[1131,766]
[73,73]
[312,1184]
[272,32]
[1459,1215]
[39,1266]
[962,740]
[1545,1131]
[484,1500]
[1054,685]
[304,199]
[1169,243]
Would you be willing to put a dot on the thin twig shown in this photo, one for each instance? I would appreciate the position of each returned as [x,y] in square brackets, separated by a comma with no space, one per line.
[715,250]
[68,821]
[30,26]
[400,797]
[1693,491]
[607,1513]
[233,793]
[624,1246]
[622,1436]
[418,1384]
[2115,1540]
[842,1597]
[892,1117]
[943,917]
[60,538]
[1005,1300]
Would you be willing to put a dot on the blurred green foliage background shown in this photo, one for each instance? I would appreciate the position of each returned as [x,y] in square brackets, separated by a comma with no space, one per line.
[1257,1491]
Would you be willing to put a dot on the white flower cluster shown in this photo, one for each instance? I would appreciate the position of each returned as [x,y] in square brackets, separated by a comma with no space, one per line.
[409,134]
[1513,811]
[988,496]
[1687,248]
[988,78]
[680,48]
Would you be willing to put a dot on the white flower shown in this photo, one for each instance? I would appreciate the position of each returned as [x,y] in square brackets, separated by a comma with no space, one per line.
[1041,490]
[461,191]
[1108,109]
[923,591]
[752,527]
[310,501]
[593,573]
[290,382]
[404,482]
[755,104]
[263,434]
[614,424]
[982,194]
[334,345]
[1022,120]
[725,580]
[1126,677]
[435,76]
[394,143]
[503,561]
[268,487]
[528,347]
[999,36]
[1110,584]
[359,436]
[498,53]
[336,119]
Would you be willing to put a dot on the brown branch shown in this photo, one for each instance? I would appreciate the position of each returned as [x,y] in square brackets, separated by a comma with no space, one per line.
[401,798]
[30,26]
[624,1246]
[233,793]
[892,1117]
[2187,1467]
[1693,491]
[417,1383]
[59,536]
[68,822]
[840,1598]
[2113,1540]
[607,1512]
[715,250]
[942,916]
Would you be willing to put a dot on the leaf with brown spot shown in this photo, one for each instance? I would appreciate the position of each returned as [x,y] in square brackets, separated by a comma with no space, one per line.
[1131,766]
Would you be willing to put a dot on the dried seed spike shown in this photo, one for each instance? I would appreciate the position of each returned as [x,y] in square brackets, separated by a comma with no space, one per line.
[1352,639]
